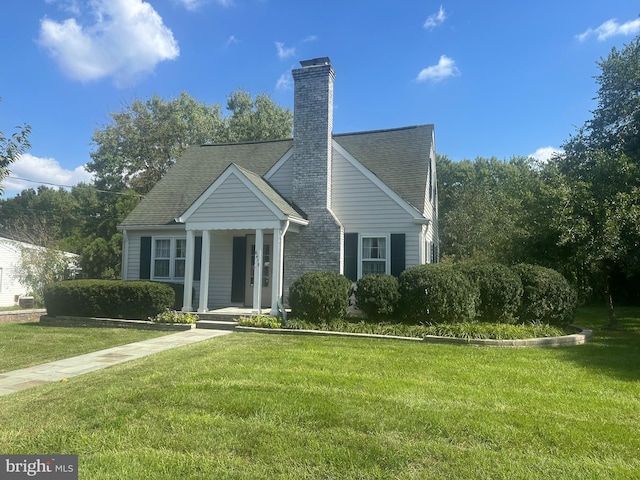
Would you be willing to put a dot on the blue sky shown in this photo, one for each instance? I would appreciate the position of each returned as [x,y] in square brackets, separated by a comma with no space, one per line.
[497,78]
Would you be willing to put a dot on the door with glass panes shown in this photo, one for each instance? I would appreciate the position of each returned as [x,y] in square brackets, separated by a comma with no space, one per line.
[266,270]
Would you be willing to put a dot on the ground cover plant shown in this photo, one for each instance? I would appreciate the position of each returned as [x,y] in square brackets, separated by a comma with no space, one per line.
[247,406]
[466,330]
[26,344]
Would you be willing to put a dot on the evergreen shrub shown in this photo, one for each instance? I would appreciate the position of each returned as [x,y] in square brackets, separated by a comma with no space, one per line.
[499,288]
[136,300]
[377,295]
[319,296]
[437,293]
[547,296]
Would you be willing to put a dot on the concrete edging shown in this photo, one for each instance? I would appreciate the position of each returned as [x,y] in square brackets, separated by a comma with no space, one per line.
[579,338]
[67,321]
[17,316]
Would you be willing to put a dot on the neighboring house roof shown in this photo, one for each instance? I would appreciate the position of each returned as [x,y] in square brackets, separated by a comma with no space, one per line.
[398,157]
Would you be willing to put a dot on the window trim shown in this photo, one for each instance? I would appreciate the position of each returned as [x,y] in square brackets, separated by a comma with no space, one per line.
[172,258]
[387,259]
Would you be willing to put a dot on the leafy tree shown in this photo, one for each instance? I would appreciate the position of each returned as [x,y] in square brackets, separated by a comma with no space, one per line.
[599,222]
[146,137]
[40,266]
[11,148]
[484,207]
[253,120]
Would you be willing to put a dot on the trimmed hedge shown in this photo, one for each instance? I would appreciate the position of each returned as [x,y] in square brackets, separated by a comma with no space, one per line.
[500,290]
[437,293]
[547,296]
[319,296]
[134,300]
[377,295]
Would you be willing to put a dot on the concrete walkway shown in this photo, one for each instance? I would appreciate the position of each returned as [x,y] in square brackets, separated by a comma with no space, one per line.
[23,378]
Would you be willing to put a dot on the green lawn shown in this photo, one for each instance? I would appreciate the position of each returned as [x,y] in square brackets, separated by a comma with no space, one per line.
[26,344]
[249,406]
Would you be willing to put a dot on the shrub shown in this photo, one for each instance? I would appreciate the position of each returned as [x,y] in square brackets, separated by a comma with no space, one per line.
[319,296]
[377,295]
[108,298]
[437,293]
[547,296]
[260,321]
[499,288]
[174,316]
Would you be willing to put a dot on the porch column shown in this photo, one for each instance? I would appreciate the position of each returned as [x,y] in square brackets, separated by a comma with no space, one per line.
[204,271]
[125,255]
[257,274]
[277,267]
[187,298]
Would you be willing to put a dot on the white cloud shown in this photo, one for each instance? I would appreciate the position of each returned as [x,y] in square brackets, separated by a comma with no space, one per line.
[284,52]
[544,154]
[611,28]
[436,19]
[69,6]
[193,5]
[126,42]
[39,169]
[445,68]
[285,82]
[231,40]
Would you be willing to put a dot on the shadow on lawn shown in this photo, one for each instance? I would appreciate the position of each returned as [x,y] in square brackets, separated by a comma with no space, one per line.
[612,352]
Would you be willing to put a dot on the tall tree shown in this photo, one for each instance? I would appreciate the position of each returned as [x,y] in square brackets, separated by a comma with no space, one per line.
[256,119]
[601,171]
[11,148]
[147,137]
[484,207]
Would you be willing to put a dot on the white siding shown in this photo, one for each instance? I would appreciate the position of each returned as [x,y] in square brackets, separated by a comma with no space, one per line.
[282,179]
[232,201]
[9,286]
[362,207]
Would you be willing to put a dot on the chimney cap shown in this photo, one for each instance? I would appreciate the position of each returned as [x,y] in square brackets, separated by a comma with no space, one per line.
[314,62]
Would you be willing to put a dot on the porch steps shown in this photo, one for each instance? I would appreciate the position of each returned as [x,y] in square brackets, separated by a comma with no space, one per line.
[216,324]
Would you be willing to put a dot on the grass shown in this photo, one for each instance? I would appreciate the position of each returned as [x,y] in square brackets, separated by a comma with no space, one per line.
[247,406]
[26,344]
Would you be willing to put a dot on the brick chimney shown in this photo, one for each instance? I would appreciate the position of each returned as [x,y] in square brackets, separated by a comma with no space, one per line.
[318,246]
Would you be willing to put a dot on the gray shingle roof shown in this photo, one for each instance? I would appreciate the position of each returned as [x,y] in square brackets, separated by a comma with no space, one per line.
[277,199]
[195,171]
[398,157]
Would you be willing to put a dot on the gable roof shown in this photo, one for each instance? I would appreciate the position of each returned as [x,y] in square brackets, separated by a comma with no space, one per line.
[398,157]
[265,192]
[195,171]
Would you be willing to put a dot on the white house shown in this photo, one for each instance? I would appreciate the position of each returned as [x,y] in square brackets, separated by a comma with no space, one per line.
[11,290]
[228,214]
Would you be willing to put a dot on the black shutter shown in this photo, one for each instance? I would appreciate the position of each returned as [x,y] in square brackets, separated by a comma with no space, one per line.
[145,258]
[397,253]
[351,256]
[238,272]
[197,258]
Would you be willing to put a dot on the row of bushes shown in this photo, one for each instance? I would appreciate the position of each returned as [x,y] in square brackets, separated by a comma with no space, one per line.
[109,298]
[439,293]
